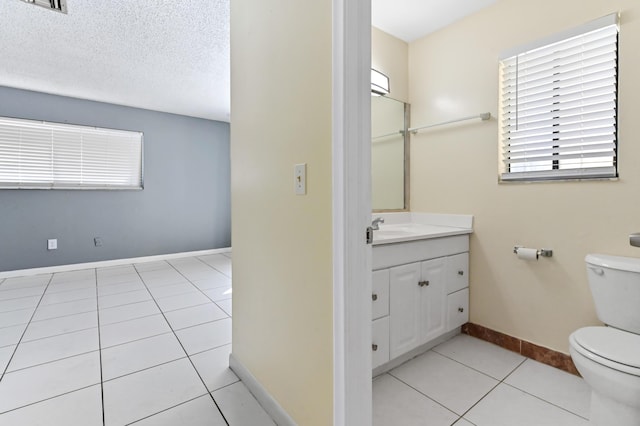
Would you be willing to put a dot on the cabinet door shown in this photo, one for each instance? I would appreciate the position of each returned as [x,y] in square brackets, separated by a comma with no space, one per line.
[458,309]
[404,308]
[380,341]
[380,294]
[457,272]
[433,299]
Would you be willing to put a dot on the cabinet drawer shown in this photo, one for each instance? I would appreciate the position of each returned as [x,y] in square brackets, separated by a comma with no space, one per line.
[380,341]
[457,309]
[380,294]
[457,272]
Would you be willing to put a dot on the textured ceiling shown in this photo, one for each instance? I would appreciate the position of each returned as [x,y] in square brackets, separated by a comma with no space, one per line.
[162,55]
[410,20]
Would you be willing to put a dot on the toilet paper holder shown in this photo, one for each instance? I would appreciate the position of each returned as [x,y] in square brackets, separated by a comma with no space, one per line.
[540,252]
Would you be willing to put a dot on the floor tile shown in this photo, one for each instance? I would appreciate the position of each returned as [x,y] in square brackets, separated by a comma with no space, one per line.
[62,325]
[219,262]
[148,392]
[201,411]
[172,290]
[54,348]
[214,280]
[239,407]
[135,356]
[68,296]
[111,271]
[225,305]
[64,309]
[79,275]
[119,279]
[107,290]
[180,301]
[205,336]
[18,304]
[483,356]
[552,385]
[80,408]
[395,403]
[119,299]
[128,312]
[128,331]
[463,422]
[21,292]
[213,367]
[70,286]
[194,315]
[508,406]
[44,381]
[162,277]
[5,356]
[22,316]
[448,382]
[24,282]
[151,266]
[11,335]
[219,293]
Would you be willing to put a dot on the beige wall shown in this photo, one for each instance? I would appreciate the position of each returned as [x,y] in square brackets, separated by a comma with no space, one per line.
[389,55]
[282,248]
[454,169]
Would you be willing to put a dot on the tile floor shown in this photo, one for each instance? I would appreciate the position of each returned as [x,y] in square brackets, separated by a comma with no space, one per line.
[466,381]
[148,344]
[144,344]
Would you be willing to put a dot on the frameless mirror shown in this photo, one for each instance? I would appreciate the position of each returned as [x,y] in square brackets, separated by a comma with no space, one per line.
[389,154]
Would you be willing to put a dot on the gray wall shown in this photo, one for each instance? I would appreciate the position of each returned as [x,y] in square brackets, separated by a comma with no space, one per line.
[185,204]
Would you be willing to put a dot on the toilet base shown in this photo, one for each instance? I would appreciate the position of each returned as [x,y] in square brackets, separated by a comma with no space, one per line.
[607,412]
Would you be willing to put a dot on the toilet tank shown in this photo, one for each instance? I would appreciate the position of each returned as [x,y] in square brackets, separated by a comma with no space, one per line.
[615,286]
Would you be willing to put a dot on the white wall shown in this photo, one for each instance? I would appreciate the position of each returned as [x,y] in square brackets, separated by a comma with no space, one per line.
[281,64]
[454,169]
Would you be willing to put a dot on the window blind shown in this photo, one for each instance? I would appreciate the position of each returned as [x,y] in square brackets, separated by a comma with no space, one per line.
[559,101]
[42,155]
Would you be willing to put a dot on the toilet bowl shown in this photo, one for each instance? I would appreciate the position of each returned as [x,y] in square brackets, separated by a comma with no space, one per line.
[608,357]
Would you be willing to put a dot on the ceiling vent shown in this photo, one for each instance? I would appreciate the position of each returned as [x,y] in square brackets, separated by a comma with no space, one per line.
[57,5]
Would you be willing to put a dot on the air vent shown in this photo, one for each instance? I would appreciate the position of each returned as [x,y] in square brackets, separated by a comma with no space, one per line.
[57,5]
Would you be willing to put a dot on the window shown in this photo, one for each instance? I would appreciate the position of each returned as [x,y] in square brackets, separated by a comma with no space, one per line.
[559,100]
[41,155]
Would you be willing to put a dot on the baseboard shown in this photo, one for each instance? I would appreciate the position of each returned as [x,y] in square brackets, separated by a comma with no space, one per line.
[107,263]
[538,353]
[270,405]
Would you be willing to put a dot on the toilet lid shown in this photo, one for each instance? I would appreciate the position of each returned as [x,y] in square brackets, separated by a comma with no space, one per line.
[610,343]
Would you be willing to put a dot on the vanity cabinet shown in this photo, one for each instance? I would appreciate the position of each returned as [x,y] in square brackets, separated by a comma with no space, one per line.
[415,303]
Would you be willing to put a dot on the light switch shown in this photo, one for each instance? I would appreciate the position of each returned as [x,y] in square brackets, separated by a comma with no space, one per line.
[300,179]
[52,244]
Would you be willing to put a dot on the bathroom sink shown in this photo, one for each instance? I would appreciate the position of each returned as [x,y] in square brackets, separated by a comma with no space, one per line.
[411,231]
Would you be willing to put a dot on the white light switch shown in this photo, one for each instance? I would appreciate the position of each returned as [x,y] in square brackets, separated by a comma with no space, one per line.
[52,244]
[300,178]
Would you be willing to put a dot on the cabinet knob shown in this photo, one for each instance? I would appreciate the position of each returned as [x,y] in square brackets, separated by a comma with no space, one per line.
[374,347]
[374,297]
[460,309]
[423,283]
[460,272]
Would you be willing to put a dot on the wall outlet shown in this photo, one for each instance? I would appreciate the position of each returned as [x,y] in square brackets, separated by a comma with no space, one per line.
[52,244]
[300,179]
[97,241]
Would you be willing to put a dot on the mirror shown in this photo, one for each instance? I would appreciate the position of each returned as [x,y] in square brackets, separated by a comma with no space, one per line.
[389,154]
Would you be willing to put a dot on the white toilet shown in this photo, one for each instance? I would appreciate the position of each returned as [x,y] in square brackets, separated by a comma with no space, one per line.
[609,357]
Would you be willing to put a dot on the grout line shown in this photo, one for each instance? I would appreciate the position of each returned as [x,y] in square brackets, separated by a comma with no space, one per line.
[100,348]
[187,354]
[544,400]
[421,393]
[61,316]
[57,335]
[146,368]
[136,340]
[51,361]
[49,398]
[166,409]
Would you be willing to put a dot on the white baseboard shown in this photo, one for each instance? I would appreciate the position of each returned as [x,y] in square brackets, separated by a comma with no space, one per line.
[107,263]
[270,405]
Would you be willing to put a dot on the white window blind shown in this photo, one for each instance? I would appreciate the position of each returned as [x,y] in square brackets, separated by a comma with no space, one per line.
[559,101]
[42,155]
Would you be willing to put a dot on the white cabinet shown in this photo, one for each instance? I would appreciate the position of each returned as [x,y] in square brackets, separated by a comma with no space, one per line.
[415,303]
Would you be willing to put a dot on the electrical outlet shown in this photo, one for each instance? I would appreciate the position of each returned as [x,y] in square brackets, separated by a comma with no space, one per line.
[97,241]
[300,179]
[52,244]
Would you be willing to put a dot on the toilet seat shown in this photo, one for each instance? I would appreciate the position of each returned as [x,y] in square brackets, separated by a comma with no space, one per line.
[616,349]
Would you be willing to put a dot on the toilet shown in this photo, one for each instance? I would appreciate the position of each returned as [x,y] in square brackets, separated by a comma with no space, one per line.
[608,357]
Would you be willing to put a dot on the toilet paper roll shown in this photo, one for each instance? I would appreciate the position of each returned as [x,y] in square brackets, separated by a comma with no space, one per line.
[525,253]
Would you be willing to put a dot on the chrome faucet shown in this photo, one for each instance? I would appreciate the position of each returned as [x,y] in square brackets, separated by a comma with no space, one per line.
[375,224]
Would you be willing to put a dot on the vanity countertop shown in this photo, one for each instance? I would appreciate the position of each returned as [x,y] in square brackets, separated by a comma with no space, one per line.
[402,227]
